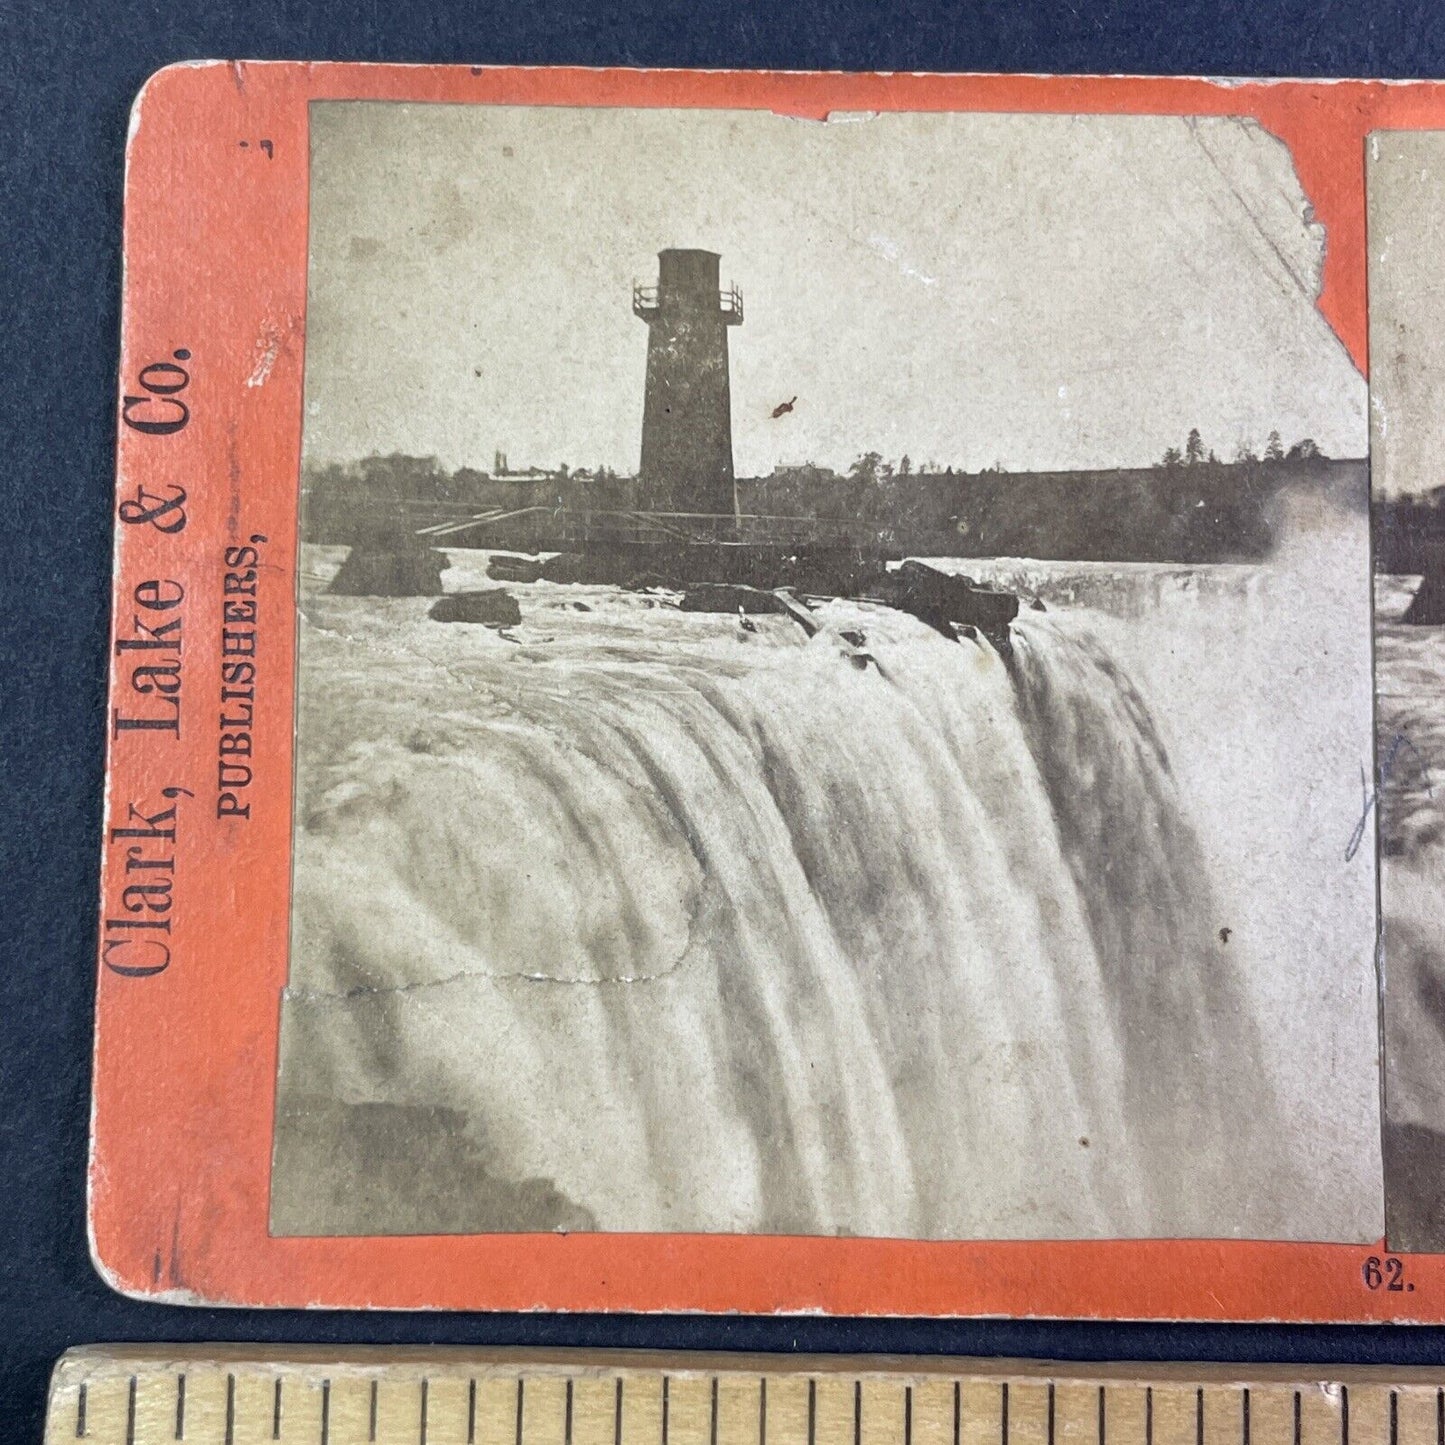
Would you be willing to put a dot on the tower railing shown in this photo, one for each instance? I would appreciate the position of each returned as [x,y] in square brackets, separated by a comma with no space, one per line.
[647,302]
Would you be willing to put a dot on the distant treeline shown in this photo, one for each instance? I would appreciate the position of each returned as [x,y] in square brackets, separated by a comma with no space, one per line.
[1194,451]
[1191,510]
[338,501]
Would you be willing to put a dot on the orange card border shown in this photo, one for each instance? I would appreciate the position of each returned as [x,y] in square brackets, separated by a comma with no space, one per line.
[185,1058]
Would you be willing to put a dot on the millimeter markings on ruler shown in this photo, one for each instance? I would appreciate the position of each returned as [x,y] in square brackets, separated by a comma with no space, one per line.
[226,1395]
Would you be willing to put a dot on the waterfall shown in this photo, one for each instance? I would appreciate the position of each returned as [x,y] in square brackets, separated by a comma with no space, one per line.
[659,924]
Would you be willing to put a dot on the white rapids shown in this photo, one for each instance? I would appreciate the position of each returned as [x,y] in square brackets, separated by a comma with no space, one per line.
[713,929]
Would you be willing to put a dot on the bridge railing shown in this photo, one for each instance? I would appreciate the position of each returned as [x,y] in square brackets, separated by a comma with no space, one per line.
[558,529]
[583,528]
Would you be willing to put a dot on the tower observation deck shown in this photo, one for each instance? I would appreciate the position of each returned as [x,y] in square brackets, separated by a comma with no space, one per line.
[687,440]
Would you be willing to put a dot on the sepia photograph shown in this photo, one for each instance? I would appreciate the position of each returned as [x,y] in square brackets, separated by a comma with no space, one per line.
[1406,190]
[835,691]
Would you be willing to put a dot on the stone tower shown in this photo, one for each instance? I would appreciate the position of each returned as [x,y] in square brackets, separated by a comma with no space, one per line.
[687,438]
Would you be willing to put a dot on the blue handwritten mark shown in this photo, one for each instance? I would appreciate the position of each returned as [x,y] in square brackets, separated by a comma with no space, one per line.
[1371,798]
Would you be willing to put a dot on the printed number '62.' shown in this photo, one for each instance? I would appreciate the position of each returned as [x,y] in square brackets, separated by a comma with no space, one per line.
[1387,1274]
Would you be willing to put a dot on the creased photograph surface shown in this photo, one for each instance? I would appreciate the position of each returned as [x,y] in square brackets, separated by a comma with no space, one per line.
[834,684]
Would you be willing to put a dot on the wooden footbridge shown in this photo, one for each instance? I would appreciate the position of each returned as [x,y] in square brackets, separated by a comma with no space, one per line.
[563,529]
[719,562]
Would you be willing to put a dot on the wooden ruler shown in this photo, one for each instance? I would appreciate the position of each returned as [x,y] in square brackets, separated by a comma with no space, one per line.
[221,1395]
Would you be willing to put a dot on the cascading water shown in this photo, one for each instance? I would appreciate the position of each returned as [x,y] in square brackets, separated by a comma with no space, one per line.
[1181,1019]
[1411,762]
[675,925]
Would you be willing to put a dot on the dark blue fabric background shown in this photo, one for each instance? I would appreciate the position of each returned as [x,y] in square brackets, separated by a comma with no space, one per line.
[68,72]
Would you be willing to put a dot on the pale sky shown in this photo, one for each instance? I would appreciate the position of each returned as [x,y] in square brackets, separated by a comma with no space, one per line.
[1035,291]
[1406,187]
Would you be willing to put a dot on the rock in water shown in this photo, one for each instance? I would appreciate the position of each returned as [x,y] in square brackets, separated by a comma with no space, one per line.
[719,597]
[373,571]
[507,567]
[496,607]
[945,600]
[1427,607]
